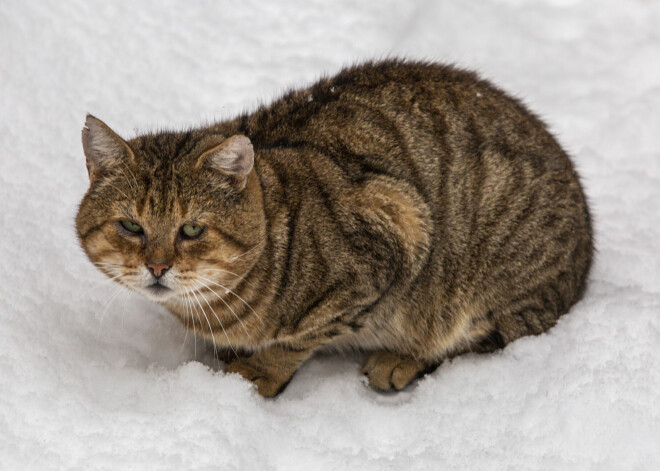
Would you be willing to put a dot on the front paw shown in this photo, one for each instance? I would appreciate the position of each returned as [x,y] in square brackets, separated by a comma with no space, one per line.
[268,384]
[387,370]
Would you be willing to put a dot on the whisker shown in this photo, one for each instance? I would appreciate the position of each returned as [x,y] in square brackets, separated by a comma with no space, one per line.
[116,188]
[187,322]
[232,311]
[222,270]
[189,298]
[127,180]
[227,290]
[132,174]
[190,316]
[215,347]
[247,251]
[105,264]
[188,303]
[107,305]
[98,285]
[130,185]
[219,322]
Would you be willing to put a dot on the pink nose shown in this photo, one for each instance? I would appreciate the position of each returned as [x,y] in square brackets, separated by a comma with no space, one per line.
[157,268]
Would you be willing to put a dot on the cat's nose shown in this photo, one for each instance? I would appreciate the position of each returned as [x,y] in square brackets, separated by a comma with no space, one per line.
[158,269]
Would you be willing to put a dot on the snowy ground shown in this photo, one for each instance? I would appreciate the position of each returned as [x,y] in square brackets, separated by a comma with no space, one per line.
[89,385]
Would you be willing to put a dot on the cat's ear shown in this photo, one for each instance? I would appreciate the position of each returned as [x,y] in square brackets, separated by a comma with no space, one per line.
[234,157]
[103,148]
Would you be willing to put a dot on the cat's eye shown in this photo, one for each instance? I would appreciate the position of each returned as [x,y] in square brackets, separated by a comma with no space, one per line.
[130,226]
[191,231]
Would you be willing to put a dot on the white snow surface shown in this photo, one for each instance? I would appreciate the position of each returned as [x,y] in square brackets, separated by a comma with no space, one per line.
[86,383]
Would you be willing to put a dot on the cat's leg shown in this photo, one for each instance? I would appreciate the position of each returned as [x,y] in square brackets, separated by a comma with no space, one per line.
[224,354]
[388,370]
[270,369]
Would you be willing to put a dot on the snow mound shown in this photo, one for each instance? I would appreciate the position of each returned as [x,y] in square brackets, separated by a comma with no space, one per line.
[91,378]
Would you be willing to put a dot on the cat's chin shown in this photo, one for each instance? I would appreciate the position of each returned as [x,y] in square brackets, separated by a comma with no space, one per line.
[158,292]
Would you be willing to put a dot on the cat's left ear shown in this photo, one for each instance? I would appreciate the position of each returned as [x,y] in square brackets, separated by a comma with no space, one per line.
[234,157]
[103,148]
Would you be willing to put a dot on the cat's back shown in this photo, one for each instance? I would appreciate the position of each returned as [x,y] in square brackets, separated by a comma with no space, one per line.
[450,100]
[412,120]
[438,128]
[497,198]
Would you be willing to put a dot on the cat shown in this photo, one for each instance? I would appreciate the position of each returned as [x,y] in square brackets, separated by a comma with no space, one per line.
[406,209]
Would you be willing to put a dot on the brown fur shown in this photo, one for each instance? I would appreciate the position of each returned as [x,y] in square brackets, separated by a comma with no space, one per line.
[409,209]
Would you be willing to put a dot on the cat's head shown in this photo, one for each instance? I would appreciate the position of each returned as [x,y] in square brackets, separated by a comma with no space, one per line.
[170,213]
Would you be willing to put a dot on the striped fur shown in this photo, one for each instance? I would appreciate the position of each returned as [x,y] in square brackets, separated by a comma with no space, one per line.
[409,209]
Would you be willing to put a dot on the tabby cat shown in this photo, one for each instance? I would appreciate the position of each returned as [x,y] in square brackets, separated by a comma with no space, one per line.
[410,210]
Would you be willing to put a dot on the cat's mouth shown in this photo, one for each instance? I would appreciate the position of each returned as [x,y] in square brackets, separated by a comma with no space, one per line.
[158,290]
[157,287]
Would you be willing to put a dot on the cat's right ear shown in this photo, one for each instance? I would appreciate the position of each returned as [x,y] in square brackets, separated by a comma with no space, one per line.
[233,157]
[103,148]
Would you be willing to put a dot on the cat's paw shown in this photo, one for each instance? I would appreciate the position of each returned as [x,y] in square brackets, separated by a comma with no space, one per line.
[267,385]
[225,355]
[387,370]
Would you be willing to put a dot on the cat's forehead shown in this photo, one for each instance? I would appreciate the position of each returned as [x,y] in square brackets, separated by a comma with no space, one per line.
[161,201]
[164,149]
[153,186]
[161,181]
[163,166]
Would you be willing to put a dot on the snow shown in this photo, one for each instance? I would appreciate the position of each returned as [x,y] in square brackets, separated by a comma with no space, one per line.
[86,383]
